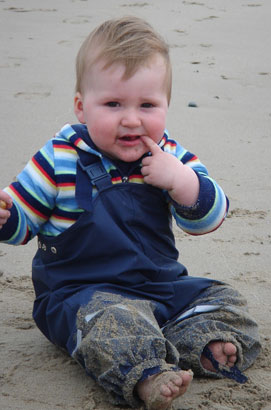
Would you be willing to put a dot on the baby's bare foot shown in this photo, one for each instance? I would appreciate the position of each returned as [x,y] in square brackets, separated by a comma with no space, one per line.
[224,352]
[159,391]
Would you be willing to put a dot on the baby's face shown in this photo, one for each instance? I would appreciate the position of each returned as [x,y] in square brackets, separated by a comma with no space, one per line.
[119,111]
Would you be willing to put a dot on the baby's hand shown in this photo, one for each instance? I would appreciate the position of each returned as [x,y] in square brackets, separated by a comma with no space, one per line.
[161,168]
[165,171]
[5,205]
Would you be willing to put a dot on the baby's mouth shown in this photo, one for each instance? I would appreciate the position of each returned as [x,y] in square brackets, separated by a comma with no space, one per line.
[130,137]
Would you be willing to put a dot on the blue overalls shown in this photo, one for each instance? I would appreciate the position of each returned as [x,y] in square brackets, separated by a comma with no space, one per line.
[122,247]
[122,242]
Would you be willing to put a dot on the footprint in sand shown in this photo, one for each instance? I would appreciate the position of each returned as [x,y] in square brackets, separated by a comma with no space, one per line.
[31,95]
[22,10]
[135,5]
[77,20]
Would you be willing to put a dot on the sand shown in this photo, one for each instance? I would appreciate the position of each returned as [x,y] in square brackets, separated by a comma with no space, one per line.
[222,63]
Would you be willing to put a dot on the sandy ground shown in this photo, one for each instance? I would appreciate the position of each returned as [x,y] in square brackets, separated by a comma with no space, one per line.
[222,62]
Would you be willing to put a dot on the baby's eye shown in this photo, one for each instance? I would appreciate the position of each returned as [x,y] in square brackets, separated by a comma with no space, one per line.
[112,104]
[147,105]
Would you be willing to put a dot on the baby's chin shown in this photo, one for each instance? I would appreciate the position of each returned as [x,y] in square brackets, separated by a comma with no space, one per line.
[132,158]
[128,155]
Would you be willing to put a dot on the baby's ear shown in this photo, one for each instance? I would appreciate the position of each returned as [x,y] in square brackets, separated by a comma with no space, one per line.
[78,108]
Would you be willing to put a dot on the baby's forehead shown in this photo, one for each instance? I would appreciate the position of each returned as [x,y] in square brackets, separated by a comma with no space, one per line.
[130,66]
[126,69]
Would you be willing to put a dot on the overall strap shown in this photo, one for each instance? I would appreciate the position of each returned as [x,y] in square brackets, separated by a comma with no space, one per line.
[232,372]
[90,172]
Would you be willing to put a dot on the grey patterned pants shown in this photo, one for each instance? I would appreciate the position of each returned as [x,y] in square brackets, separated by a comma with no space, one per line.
[119,341]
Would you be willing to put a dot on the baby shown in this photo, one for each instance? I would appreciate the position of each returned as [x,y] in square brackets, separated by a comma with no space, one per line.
[100,196]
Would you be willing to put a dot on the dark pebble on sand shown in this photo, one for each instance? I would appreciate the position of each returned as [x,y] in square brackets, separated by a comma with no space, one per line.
[192,104]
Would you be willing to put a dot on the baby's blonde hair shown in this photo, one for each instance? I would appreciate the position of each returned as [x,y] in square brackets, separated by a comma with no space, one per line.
[128,40]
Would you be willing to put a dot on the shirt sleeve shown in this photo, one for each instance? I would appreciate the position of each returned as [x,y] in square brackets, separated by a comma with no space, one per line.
[33,195]
[211,208]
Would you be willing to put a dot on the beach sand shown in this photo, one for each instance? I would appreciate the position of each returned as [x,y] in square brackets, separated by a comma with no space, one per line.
[222,62]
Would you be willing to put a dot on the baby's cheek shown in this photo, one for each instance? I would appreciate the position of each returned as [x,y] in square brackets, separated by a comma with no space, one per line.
[158,128]
[103,129]
[98,134]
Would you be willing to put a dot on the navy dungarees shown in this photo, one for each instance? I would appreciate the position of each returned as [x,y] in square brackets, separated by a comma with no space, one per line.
[122,243]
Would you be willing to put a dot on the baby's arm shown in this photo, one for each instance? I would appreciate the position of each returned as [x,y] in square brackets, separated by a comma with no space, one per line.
[198,206]
[33,199]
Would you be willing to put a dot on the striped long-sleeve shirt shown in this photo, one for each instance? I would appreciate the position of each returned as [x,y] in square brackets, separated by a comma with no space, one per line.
[44,193]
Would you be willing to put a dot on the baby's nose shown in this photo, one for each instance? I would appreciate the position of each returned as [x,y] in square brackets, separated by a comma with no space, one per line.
[130,119]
